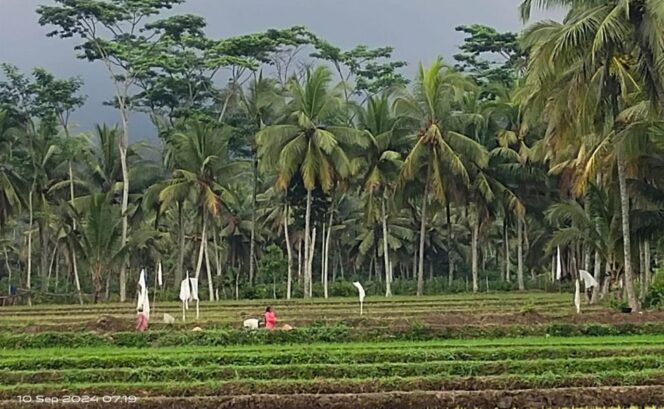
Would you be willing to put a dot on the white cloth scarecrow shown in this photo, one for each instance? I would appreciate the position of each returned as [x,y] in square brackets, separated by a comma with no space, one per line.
[361,295]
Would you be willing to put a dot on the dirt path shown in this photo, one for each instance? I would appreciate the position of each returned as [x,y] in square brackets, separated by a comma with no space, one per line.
[432,320]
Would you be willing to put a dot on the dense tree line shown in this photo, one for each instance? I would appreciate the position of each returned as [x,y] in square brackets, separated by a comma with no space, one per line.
[288,166]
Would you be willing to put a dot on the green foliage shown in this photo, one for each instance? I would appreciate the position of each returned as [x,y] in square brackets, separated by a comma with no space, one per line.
[272,267]
[618,304]
[452,169]
[317,334]
[481,41]
[654,298]
[370,68]
[528,308]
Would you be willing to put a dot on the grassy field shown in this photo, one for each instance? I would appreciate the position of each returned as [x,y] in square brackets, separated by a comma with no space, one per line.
[487,351]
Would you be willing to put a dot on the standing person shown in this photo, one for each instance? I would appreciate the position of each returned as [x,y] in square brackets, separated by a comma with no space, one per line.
[141,321]
[270,318]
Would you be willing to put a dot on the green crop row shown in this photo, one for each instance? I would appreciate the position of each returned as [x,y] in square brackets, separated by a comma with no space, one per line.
[350,385]
[330,371]
[339,333]
[186,357]
[625,341]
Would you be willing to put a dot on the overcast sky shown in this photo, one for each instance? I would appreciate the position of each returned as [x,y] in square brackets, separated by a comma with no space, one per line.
[419,30]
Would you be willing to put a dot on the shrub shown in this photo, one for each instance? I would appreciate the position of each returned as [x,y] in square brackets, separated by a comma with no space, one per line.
[618,304]
[342,288]
[655,296]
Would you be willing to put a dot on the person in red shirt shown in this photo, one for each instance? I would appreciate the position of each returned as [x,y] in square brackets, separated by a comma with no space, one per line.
[141,321]
[270,318]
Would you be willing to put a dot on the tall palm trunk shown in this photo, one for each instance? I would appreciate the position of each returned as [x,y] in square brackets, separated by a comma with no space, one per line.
[624,207]
[608,273]
[326,255]
[450,259]
[322,261]
[506,238]
[553,267]
[217,259]
[208,269]
[252,244]
[646,256]
[179,272]
[9,271]
[77,281]
[642,271]
[414,271]
[597,273]
[519,270]
[43,251]
[299,261]
[97,281]
[597,263]
[474,245]
[57,271]
[201,249]
[423,221]
[386,249]
[526,250]
[312,248]
[123,145]
[50,267]
[107,294]
[30,223]
[73,250]
[307,226]
[474,256]
[289,251]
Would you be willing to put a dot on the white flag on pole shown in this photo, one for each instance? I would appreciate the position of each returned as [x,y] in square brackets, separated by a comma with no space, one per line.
[194,294]
[577,296]
[361,294]
[588,279]
[185,292]
[141,289]
[559,266]
[146,303]
[194,289]
[143,298]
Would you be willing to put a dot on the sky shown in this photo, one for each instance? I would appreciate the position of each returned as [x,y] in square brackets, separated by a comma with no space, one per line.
[419,31]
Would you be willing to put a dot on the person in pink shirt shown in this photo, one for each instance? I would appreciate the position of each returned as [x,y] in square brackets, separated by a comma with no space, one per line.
[141,321]
[270,318]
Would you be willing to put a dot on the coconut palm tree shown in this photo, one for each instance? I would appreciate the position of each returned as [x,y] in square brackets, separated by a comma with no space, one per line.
[618,25]
[309,143]
[262,102]
[440,153]
[593,225]
[10,179]
[587,58]
[100,237]
[203,170]
[511,151]
[384,158]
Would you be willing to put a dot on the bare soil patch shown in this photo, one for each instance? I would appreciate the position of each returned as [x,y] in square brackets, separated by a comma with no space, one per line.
[109,323]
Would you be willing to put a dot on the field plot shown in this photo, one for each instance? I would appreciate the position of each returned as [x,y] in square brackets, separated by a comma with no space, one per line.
[445,352]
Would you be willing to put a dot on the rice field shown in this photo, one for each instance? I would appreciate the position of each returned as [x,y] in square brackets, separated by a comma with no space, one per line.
[486,351]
